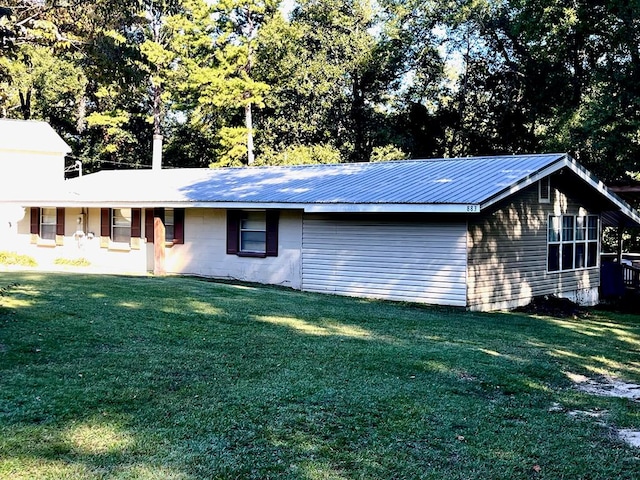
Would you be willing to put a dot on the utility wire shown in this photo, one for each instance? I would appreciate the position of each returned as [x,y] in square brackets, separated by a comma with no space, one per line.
[112,162]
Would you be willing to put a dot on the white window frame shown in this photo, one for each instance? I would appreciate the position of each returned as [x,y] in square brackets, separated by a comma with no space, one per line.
[120,238]
[48,223]
[169,225]
[245,230]
[569,233]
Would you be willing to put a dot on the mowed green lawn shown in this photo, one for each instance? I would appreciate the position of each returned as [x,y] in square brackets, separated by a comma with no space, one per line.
[105,377]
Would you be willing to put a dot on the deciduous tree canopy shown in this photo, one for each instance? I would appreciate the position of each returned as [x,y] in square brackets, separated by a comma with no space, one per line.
[229,81]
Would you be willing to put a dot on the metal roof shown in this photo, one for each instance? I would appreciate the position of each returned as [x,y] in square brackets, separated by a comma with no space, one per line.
[30,136]
[459,181]
[455,185]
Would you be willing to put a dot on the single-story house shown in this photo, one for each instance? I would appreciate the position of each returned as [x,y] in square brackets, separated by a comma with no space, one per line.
[482,233]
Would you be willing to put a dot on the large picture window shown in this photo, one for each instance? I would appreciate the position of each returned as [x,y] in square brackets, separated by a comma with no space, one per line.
[572,242]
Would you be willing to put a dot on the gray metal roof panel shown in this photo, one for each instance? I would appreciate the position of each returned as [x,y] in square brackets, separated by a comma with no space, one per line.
[443,185]
[440,181]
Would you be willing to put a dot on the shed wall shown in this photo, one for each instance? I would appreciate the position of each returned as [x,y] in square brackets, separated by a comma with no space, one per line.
[417,260]
[17,169]
[508,255]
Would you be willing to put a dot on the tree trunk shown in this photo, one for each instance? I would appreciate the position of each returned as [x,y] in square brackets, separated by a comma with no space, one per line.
[156,155]
[358,118]
[25,105]
[249,124]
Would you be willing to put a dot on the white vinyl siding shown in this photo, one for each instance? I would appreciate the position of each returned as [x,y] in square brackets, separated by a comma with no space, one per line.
[417,261]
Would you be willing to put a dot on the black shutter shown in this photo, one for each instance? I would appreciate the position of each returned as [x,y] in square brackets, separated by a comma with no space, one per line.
[273,216]
[178,225]
[60,221]
[35,220]
[233,231]
[136,222]
[148,225]
[105,222]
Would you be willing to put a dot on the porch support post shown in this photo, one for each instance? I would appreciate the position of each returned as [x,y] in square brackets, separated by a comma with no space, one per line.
[159,235]
[620,242]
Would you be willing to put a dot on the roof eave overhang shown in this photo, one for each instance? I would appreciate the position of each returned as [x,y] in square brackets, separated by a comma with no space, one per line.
[392,208]
[465,208]
[56,153]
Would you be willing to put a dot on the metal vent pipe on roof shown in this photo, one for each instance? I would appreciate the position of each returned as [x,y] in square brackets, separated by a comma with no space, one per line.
[156,159]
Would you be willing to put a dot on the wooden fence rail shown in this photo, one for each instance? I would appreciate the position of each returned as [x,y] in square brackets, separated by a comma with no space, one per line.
[631,276]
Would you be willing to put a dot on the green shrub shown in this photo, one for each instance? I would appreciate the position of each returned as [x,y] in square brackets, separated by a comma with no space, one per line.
[74,262]
[300,155]
[387,153]
[12,258]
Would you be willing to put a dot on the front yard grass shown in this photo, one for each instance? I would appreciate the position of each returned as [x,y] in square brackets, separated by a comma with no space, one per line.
[106,377]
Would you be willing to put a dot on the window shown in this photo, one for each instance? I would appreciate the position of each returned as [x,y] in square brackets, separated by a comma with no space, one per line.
[572,242]
[173,219]
[252,233]
[120,225]
[544,190]
[47,222]
[169,224]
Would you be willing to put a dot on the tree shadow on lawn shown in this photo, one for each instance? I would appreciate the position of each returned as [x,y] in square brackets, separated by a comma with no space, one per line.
[180,378]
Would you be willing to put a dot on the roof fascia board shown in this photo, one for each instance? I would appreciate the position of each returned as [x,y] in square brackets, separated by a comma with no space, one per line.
[306,207]
[392,208]
[36,152]
[624,207]
[581,172]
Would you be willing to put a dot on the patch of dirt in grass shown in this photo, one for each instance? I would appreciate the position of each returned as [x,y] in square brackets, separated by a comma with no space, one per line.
[610,387]
[607,387]
[552,306]
[632,437]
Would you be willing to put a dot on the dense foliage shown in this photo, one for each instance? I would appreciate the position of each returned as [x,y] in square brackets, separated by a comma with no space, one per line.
[327,80]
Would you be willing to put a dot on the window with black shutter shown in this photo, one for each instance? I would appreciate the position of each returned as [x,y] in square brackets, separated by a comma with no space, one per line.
[173,219]
[120,225]
[252,233]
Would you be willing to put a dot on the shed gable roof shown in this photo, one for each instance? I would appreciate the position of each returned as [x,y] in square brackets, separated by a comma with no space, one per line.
[30,136]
